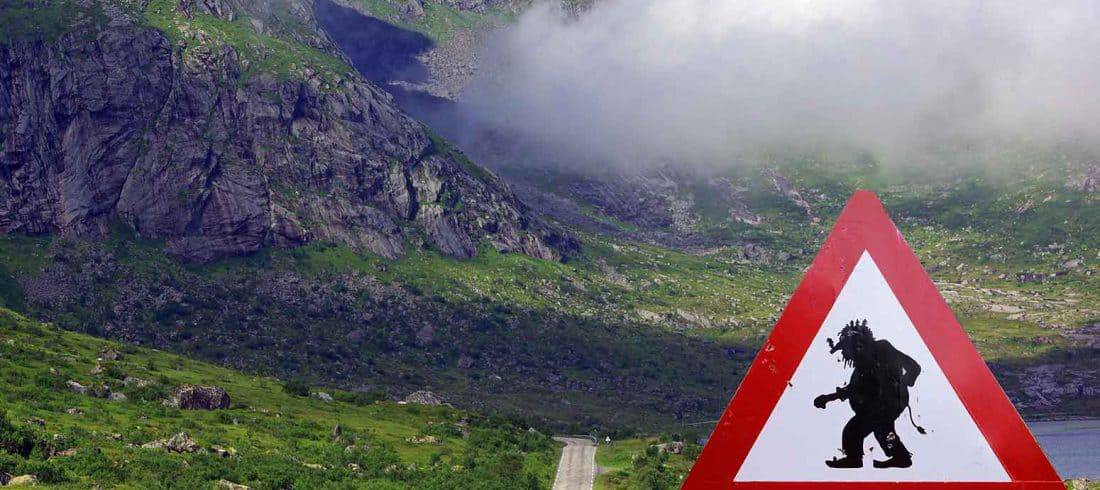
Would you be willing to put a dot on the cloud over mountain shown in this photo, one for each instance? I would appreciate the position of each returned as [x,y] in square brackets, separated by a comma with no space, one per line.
[708,80]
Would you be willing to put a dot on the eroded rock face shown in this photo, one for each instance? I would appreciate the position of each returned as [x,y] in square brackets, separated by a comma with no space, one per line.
[784,187]
[115,125]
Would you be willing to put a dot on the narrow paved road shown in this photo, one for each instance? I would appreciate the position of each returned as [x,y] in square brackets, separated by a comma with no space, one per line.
[577,469]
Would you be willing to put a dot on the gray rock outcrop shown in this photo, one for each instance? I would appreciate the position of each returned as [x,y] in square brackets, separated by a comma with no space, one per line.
[179,443]
[116,124]
[194,397]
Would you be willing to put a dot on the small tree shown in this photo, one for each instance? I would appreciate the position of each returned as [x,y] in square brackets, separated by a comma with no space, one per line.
[296,387]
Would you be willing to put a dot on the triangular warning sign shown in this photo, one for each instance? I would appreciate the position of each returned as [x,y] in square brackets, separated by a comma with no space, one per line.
[869,381]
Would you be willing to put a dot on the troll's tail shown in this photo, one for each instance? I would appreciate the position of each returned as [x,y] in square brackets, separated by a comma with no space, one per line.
[911,421]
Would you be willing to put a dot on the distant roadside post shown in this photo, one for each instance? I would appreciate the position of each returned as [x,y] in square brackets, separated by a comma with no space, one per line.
[868,358]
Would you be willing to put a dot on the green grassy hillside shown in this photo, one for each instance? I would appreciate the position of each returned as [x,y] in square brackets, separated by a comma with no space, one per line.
[274,439]
[459,328]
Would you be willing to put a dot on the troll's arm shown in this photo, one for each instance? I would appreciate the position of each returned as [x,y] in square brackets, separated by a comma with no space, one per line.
[910,367]
[841,393]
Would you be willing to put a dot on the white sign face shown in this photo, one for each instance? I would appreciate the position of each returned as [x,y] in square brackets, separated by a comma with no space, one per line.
[799,437]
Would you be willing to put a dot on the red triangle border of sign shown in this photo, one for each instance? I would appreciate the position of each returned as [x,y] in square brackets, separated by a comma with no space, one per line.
[865,225]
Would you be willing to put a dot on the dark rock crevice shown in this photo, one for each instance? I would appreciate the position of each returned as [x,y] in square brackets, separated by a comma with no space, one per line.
[414,206]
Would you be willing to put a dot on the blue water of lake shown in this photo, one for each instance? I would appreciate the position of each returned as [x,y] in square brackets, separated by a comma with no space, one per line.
[1072,446]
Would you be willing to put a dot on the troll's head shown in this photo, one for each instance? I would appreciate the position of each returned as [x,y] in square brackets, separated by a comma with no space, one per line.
[853,341]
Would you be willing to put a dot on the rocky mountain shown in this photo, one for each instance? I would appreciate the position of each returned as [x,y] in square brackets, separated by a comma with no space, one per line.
[202,124]
[234,137]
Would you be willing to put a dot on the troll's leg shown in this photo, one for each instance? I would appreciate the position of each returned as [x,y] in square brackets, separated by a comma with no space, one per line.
[891,444]
[855,431]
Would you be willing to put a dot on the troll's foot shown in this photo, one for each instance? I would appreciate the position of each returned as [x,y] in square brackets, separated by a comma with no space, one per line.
[845,462]
[895,462]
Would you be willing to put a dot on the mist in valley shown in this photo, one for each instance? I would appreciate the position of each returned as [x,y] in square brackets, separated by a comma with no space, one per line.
[706,83]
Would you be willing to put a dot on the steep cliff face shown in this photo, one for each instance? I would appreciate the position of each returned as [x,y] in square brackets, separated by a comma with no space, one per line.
[193,136]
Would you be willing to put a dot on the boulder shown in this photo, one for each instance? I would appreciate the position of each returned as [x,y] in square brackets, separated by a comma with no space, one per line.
[66,453]
[228,485]
[23,480]
[135,382]
[674,447]
[99,391]
[179,443]
[223,452]
[423,397]
[422,440]
[109,354]
[76,387]
[117,397]
[1029,277]
[195,397]
[323,396]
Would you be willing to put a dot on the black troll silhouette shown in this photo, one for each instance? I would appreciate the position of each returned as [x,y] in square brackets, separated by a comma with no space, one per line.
[878,393]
